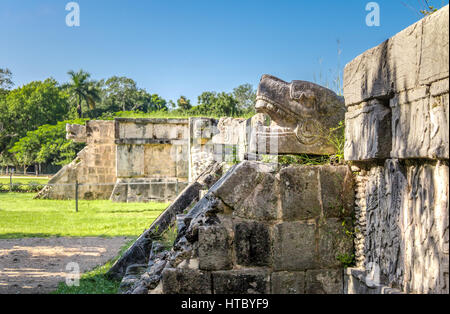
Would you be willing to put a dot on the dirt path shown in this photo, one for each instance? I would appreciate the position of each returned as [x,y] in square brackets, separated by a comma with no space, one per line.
[37,265]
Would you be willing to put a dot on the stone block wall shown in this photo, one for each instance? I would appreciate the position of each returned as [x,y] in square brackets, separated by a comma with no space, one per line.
[212,140]
[152,159]
[94,168]
[397,128]
[263,228]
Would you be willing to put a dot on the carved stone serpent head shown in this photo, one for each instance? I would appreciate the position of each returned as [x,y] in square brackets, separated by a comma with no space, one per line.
[302,115]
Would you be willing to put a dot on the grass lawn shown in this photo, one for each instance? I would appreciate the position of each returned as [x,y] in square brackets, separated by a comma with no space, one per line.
[27,180]
[21,216]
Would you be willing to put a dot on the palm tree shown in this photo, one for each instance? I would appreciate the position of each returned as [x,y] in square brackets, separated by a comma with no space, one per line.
[81,89]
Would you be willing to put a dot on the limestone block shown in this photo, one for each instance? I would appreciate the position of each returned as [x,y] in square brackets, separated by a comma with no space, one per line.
[130,160]
[420,128]
[138,192]
[294,246]
[160,161]
[440,87]
[252,244]
[357,281]
[186,281]
[120,192]
[99,132]
[228,131]
[406,233]
[368,75]
[242,281]
[434,53]
[334,242]
[214,250]
[368,132]
[288,282]
[170,129]
[325,281]
[76,133]
[337,191]
[416,56]
[439,134]
[299,193]
[239,182]
[262,203]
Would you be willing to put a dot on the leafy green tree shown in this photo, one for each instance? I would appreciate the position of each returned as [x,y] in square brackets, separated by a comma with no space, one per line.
[83,89]
[25,109]
[122,94]
[183,103]
[246,97]
[216,104]
[47,145]
[5,79]
[157,104]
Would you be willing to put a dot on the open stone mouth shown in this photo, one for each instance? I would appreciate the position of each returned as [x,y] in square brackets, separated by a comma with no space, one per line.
[277,113]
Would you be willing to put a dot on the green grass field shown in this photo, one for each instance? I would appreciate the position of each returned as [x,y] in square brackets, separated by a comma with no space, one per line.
[21,216]
[27,180]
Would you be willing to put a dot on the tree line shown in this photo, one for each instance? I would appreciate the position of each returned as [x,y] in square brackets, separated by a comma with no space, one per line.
[33,116]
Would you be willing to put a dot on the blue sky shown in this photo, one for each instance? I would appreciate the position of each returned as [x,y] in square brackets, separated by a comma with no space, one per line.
[185,47]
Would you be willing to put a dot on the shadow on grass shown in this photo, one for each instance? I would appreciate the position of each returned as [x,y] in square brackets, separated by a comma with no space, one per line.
[95,281]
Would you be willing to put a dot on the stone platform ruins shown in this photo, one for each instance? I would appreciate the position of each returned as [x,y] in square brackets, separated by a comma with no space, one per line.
[377,224]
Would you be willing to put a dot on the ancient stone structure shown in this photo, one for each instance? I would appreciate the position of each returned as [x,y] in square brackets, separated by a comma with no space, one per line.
[140,251]
[94,168]
[397,128]
[152,159]
[302,114]
[261,228]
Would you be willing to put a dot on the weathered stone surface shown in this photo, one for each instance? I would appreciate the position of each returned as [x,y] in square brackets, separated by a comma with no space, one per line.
[356,281]
[243,281]
[94,167]
[262,203]
[129,128]
[140,250]
[420,128]
[214,250]
[302,115]
[434,53]
[252,243]
[295,246]
[76,133]
[325,281]
[288,282]
[337,191]
[186,281]
[416,56]
[402,206]
[299,191]
[405,218]
[130,160]
[368,132]
[240,182]
[335,242]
